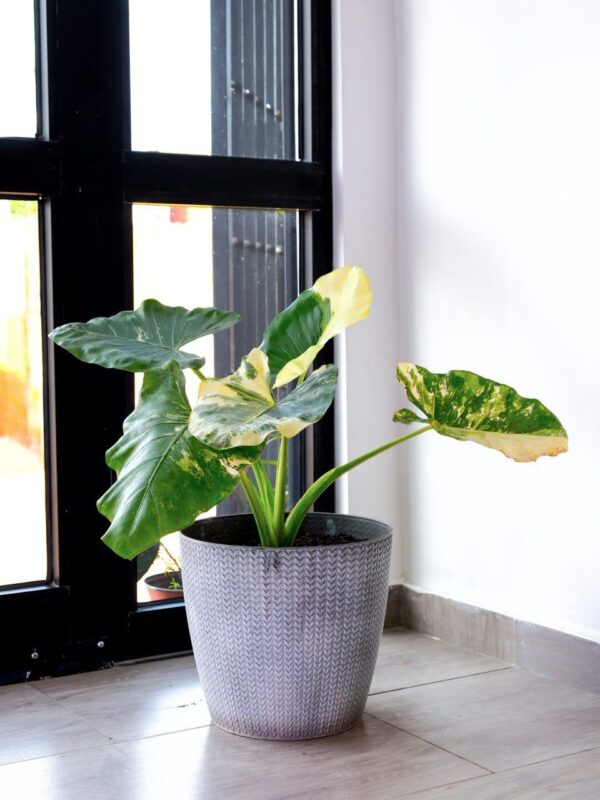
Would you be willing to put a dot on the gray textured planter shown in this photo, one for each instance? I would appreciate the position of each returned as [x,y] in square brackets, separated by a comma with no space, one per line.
[286,639]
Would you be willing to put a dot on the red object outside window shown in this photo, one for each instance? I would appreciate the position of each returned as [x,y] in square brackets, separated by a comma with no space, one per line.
[179,214]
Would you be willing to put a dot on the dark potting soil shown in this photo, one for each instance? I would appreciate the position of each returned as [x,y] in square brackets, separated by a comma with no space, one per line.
[310,539]
[250,538]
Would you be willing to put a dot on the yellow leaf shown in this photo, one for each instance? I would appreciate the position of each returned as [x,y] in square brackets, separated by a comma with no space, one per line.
[349,293]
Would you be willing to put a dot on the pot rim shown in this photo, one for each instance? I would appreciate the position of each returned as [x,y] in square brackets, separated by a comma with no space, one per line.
[148,578]
[258,548]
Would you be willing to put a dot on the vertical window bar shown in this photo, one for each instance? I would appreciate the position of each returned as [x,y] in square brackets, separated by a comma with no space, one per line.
[38,70]
[270,135]
[259,77]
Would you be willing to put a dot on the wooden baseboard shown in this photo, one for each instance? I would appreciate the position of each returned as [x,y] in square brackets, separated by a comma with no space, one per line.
[544,651]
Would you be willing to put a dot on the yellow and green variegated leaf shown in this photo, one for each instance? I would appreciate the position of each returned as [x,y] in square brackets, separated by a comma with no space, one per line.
[466,406]
[295,330]
[349,293]
[295,337]
[148,338]
[251,379]
[166,477]
[240,411]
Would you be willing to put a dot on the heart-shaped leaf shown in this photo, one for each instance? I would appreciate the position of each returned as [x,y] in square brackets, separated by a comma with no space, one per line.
[147,338]
[466,406]
[166,477]
[240,411]
[295,330]
[296,335]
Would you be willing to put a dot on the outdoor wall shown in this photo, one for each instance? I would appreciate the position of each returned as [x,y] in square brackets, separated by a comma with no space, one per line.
[496,164]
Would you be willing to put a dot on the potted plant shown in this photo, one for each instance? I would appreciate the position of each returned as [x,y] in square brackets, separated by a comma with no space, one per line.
[285,607]
[164,585]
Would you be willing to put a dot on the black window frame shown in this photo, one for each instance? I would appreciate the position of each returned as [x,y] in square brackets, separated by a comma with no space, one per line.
[82,169]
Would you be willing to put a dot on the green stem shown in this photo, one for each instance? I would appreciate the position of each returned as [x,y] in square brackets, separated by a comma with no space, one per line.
[263,527]
[265,488]
[299,511]
[199,374]
[280,487]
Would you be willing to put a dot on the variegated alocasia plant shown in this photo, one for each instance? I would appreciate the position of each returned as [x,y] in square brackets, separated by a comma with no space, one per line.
[173,462]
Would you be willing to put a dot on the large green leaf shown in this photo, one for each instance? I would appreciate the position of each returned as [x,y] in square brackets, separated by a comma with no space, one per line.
[166,477]
[240,410]
[296,335]
[147,338]
[295,329]
[466,406]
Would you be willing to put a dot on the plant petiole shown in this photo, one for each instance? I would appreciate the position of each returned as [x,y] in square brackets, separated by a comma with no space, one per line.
[280,487]
[299,511]
[265,489]
[263,524]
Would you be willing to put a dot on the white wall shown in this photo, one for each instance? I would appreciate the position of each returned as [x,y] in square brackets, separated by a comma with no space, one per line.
[365,216]
[495,269]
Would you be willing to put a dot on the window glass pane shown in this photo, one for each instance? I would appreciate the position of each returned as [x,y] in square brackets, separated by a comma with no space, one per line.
[240,260]
[214,77]
[22,482]
[18,115]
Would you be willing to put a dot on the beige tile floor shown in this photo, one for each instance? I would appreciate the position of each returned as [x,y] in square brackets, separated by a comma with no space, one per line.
[440,722]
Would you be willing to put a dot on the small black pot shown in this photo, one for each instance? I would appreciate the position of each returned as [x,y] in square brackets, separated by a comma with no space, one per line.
[159,586]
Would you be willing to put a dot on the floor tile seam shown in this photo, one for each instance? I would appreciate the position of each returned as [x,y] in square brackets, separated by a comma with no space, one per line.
[109,743]
[162,733]
[442,680]
[487,770]
[507,770]
[501,772]
[133,662]
[61,700]
[446,785]
[111,739]
[65,705]
[76,715]
[521,667]
[558,680]
[35,685]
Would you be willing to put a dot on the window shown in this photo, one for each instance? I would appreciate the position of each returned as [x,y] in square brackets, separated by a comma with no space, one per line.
[22,478]
[18,111]
[239,259]
[234,191]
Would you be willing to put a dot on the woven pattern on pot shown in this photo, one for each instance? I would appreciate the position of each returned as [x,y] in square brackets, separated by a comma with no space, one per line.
[286,639]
